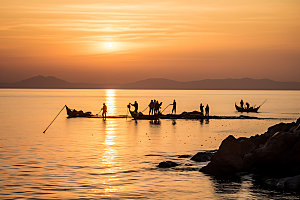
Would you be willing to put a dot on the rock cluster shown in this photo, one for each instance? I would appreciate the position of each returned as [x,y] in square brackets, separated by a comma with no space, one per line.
[274,153]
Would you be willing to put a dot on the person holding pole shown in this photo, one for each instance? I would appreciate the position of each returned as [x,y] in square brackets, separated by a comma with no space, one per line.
[104,111]
[174,107]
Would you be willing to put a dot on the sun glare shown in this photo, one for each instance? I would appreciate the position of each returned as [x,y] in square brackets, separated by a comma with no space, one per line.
[109,46]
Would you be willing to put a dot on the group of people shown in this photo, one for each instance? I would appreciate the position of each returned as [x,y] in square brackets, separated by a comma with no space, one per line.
[154,107]
[206,109]
[242,104]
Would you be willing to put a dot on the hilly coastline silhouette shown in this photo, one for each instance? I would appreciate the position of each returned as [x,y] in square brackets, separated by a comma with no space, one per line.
[48,82]
[51,82]
[214,84]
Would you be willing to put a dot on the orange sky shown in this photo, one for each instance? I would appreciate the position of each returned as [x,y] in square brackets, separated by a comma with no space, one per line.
[116,41]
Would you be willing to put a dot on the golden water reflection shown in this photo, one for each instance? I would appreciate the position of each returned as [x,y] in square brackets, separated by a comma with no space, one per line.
[109,154]
[110,100]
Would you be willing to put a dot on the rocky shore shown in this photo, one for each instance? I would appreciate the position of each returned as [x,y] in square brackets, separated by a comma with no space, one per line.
[273,156]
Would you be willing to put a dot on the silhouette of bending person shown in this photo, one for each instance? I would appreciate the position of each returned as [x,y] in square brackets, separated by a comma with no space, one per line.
[136,106]
[157,106]
[247,105]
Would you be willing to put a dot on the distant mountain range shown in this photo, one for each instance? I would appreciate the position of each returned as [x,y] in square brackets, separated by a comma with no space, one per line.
[215,84]
[50,82]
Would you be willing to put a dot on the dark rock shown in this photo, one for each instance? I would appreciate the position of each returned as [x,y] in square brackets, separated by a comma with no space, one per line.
[203,156]
[227,160]
[280,155]
[184,156]
[275,152]
[289,183]
[285,184]
[167,164]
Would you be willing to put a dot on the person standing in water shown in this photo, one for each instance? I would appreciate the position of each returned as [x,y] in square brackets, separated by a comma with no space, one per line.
[201,108]
[174,107]
[104,111]
[207,110]
[151,107]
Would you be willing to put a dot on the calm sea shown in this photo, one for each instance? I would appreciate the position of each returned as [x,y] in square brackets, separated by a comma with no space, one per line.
[117,158]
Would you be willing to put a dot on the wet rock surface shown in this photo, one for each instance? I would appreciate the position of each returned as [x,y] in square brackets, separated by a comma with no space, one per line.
[289,183]
[274,153]
[167,164]
[203,156]
[184,156]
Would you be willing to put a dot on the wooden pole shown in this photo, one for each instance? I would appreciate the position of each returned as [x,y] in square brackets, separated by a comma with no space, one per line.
[54,119]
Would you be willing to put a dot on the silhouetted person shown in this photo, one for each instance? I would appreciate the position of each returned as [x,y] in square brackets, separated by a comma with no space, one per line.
[151,107]
[207,110]
[157,107]
[242,103]
[201,108]
[247,105]
[104,111]
[154,106]
[136,106]
[174,107]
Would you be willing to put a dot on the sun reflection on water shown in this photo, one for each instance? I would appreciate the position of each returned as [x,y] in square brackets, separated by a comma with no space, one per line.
[110,152]
[110,100]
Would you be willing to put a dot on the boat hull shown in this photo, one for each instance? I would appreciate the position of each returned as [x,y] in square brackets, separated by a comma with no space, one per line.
[140,116]
[74,113]
[252,109]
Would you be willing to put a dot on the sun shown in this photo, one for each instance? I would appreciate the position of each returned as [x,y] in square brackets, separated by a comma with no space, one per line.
[110,45]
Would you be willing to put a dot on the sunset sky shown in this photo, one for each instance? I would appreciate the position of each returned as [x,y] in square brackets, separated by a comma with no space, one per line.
[120,41]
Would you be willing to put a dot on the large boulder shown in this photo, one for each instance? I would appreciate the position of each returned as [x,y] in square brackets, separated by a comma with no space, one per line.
[229,157]
[275,152]
[289,183]
[280,155]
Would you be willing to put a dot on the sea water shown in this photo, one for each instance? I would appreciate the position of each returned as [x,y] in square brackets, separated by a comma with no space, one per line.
[117,158]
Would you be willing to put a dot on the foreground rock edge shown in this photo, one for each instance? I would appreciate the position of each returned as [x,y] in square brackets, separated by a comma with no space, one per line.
[276,153]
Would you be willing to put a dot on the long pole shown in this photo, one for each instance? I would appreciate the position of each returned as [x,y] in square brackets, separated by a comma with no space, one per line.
[54,119]
[166,108]
[263,102]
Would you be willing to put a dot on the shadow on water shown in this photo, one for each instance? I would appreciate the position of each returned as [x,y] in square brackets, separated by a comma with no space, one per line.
[155,122]
[173,122]
[206,120]
[247,186]
[227,186]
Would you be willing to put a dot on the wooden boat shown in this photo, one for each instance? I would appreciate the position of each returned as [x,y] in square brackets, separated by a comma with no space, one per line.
[75,113]
[139,115]
[72,113]
[184,115]
[251,109]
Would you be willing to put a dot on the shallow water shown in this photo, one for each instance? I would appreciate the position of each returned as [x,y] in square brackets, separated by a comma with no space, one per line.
[117,158]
